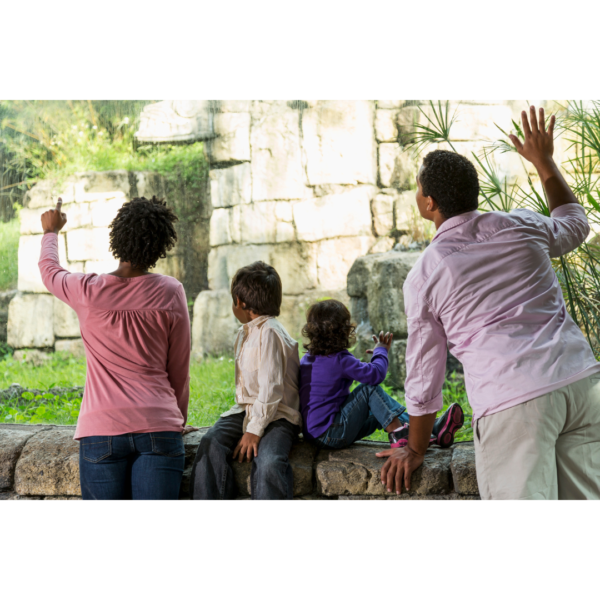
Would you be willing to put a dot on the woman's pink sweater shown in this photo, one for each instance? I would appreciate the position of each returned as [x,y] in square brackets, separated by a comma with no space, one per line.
[136,333]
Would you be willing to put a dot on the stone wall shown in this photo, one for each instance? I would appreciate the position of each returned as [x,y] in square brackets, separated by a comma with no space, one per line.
[36,320]
[39,462]
[309,186]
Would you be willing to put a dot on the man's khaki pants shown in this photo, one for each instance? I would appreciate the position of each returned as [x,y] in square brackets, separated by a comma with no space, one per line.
[544,449]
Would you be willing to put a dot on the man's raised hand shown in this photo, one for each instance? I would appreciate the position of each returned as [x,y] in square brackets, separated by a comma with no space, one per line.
[539,141]
[54,220]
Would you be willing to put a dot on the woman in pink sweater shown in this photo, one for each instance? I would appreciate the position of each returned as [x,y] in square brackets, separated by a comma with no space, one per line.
[136,331]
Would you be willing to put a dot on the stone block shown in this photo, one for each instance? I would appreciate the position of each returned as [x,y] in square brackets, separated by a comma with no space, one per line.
[390,104]
[344,214]
[406,119]
[49,465]
[339,142]
[73,347]
[31,220]
[31,356]
[101,266]
[234,106]
[12,442]
[406,211]
[386,128]
[224,261]
[172,265]
[464,473]
[104,211]
[357,470]
[66,323]
[359,276]
[89,244]
[397,364]
[335,258]
[232,141]
[100,185]
[31,321]
[213,327]
[297,267]
[383,214]
[30,278]
[383,244]
[265,222]
[231,186]
[277,170]
[221,224]
[41,195]
[397,167]
[149,184]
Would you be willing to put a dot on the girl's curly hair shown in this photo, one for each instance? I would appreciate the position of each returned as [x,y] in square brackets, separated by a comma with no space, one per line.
[142,232]
[329,328]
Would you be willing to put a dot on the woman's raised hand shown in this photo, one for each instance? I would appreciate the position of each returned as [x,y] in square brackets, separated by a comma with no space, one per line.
[384,341]
[54,220]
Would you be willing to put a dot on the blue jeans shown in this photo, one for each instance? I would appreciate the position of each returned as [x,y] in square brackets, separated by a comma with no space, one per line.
[132,466]
[367,409]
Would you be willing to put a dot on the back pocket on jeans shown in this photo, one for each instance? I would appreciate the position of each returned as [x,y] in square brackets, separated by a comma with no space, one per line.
[167,443]
[96,450]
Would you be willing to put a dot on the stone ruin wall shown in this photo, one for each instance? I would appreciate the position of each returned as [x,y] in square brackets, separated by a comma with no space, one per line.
[307,186]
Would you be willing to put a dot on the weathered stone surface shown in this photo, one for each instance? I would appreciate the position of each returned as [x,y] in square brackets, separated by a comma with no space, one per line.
[231,186]
[383,244]
[297,266]
[339,142]
[265,222]
[104,211]
[335,257]
[12,442]
[231,105]
[277,171]
[232,141]
[359,276]
[390,104]
[397,364]
[386,128]
[49,465]
[224,261]
[66,323]
[344,214]
[30,246]
[463,469]
[383,214]
[405,206]
[30,321]
[221,226]
[103,266]
[397,167]
[339,479]
[89,244]
[73,347]
[99,185]
[36,357]
[213,327]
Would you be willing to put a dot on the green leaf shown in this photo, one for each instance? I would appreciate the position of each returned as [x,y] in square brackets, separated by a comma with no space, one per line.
[27,395]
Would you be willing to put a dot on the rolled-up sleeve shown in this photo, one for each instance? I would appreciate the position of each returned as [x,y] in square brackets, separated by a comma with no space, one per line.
[273,364]
[426,352]
[567,228]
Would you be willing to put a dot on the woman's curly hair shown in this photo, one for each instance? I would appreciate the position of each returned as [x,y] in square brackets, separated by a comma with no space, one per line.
[142,232]
[329,328]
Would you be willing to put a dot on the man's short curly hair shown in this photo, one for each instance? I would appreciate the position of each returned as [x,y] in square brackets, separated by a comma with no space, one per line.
[329,328]
[451,180]
[143,232]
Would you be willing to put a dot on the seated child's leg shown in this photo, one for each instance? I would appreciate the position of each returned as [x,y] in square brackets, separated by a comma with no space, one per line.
[212,475]
[271,476]
[387,413]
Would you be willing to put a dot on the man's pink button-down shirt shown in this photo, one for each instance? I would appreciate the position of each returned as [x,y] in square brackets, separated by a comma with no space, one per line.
[485,288]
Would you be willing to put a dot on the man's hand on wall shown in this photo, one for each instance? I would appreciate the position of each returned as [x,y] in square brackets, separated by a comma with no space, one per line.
[247,447]
[384,341]
[54,220]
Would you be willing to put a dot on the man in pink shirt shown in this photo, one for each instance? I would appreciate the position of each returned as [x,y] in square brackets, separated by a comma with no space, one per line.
[486,290]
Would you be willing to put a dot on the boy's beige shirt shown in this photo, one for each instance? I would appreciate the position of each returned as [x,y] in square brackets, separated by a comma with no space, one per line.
[267,368]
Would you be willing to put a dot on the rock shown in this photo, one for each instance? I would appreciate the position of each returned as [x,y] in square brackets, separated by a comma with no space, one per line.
[383,214]
[107,266]
[232,141]
[339,142]
[221,225]
[397,167]
[359,276]
[344,214]
[406,119]
[35,357]
[406,212]
[30,246]
[464,473]
[89,244]
[49,465]
[66,322]
[390,104]
[297,267]
[335,258]
[12,442]
[339,479]
[224,261]
[73,347]
[386,129]
[397,364]
[30,321]
[266,222]
[92,186]
[277,170]
[231,186]
[213,327]
[104,211]
[231,105]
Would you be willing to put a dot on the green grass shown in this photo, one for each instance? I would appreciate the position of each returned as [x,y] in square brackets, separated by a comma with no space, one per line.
[9,246]
[212,390]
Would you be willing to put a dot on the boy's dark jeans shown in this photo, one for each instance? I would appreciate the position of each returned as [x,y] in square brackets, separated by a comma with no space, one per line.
[271,475]
[138,466]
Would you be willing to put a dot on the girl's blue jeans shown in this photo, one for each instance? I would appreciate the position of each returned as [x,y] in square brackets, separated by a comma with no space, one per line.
[367,409]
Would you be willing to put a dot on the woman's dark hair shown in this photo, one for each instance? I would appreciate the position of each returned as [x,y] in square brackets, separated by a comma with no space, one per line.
[258,287]
[451,180]
[328,328]
[142,232]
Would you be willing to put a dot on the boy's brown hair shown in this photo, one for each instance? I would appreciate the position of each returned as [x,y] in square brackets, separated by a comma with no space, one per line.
[329,328]
[258,288]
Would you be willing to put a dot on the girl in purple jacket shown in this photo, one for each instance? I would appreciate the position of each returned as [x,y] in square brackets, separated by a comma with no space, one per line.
[333,416]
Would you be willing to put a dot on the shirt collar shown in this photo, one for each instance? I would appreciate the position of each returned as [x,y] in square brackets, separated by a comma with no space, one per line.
[453,222]
[256,322]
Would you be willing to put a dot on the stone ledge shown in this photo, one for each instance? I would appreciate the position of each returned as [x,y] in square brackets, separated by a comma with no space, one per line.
[40,462]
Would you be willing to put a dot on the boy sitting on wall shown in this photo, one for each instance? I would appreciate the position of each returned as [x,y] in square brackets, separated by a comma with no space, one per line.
[265,419]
